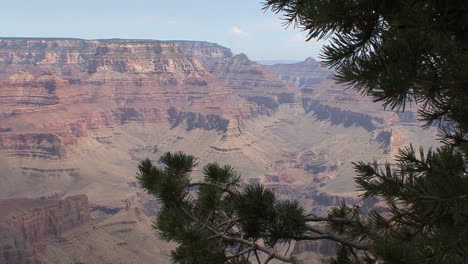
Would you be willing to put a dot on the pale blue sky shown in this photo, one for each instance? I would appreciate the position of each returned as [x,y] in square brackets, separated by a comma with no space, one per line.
[237,24]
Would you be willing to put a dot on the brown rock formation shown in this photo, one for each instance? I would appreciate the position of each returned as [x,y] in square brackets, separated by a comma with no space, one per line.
[14,249]
[55,92]
[34,231]
[205,50]
[38,220]
[301,74]
[26,225]
[247,78]
[91,84]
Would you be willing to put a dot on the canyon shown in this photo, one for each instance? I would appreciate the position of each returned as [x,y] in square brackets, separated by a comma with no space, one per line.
[76,117]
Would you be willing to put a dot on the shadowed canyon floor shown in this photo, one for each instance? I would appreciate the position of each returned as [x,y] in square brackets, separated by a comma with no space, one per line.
[78,115]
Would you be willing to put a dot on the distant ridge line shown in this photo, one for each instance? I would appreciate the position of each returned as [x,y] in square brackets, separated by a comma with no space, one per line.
[104,39]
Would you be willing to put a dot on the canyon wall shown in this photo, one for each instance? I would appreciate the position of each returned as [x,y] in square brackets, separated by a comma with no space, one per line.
[250,80]
[28,224]
[91,84]
[302,74]
[55,92]
[76,116]
[65,87]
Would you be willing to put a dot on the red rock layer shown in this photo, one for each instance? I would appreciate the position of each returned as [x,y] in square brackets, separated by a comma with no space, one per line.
[64,87]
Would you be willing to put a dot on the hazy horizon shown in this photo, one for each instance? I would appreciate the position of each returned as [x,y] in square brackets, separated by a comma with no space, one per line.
[241,26]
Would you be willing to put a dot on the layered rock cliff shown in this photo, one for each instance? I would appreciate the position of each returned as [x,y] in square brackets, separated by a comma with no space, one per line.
[55,92]
[337,104]
[14,249]
[88,84]
[28,224]
[302,74]
[205,50]
[35,231]
[247,78]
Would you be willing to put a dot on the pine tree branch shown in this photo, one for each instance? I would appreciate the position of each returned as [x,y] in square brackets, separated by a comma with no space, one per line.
[257,257]
[315,230]
[428,197]
[228,222]
[197,184]
[313,218]
[328,236]
[266,250]
[242,252]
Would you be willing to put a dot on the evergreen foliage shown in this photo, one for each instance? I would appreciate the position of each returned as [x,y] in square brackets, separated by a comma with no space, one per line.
[397,51]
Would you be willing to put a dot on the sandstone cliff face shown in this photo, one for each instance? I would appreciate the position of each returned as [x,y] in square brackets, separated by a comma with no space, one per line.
[14,249]
[205,50]
[328,101]
[65,87]
[53,91]
[56,92]
[26,225]
[38,220]
[248,79]
[88,84]
[35,231]
[301,74]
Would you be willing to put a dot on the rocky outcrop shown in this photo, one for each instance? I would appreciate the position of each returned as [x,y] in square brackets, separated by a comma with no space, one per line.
[37,220]
[14,249]
[317,83]
[338,116]
[247,78]
[301,74]
[33,145]
[26,225]
[205,50]
[197,120]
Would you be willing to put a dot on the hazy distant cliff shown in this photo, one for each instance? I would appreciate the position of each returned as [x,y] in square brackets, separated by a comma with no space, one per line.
[27,224]
[205,50]
[248,79]
[302,74]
